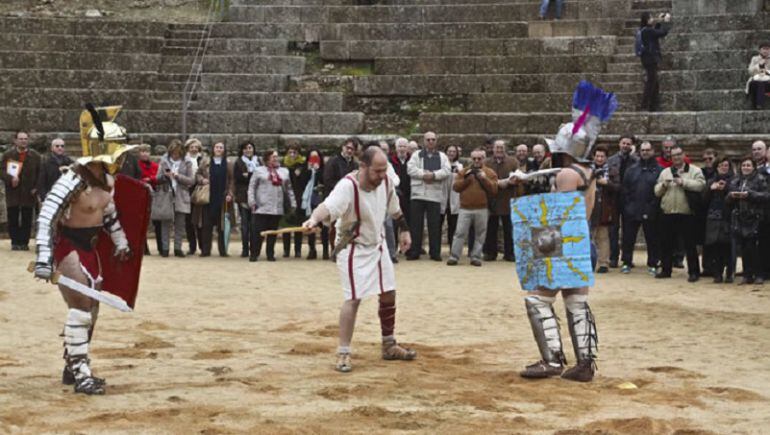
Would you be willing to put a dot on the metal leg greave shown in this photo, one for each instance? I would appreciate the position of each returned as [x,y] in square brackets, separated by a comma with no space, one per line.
[545,328]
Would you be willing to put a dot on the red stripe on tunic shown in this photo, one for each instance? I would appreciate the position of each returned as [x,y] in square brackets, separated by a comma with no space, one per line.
[350,271]
[379,269]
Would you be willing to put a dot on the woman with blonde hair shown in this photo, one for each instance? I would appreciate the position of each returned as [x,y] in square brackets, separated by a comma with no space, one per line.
[194,148]
[175,172]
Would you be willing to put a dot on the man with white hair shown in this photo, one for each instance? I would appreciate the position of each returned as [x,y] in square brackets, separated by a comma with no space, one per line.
[52,168]
[399,160]
[507,188]
[428,168]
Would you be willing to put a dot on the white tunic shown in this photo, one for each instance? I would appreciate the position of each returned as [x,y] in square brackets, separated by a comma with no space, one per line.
[364,265]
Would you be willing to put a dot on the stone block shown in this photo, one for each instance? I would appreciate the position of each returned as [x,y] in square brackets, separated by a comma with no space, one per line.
[540,29]
[233,122]
[282,14]
[301,123]
[669,123]
[622,123]
[506,123]
[557,46]
[314,14]
[363,50]
[342,123]
[546,123]
[335,50]
[569,28]
[756,122]
[264,122]
[719,122]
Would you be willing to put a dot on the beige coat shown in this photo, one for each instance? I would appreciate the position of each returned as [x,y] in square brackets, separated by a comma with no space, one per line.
[756,73]
[672,196]
[184,180]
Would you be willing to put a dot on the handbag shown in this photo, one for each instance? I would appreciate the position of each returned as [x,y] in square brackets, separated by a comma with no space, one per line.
[201,195]
[162,204]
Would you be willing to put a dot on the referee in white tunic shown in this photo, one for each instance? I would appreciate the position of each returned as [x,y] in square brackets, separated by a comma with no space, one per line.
[359,204]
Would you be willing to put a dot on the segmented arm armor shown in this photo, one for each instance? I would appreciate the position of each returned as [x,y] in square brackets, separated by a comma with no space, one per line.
[56,203]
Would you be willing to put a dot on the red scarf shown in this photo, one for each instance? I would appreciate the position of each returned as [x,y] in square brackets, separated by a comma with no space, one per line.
[274,177]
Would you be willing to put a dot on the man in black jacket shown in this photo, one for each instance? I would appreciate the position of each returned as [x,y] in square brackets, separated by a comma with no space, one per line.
[52,168]
[640,208]
[399,160]
[618,163]
[340,165]
[652,30]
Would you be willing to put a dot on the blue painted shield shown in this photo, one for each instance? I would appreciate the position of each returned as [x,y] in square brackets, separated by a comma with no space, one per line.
[552,241]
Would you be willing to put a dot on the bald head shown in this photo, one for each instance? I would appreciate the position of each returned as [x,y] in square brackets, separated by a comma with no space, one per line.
[538,152]
[499,149]
[522,152]
[429,141]
[373,167]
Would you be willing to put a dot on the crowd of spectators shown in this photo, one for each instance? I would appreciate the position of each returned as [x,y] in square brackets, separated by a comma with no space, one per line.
[709,214]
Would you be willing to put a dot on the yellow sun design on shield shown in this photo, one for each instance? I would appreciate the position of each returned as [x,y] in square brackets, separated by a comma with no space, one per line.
[546,241]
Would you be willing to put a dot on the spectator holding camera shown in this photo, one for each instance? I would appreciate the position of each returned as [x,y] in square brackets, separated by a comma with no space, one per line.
[717,238]
[759,76]
[678,218]
[648,49]
[476,185]
[748,195]
[605,205]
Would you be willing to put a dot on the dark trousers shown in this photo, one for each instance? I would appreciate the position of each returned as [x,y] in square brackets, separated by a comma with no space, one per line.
[263,222]
[614,233]
[192,233]
[750,256]
[673,227]
[722,261]
[490,244]
[158,236]
[246,218]
[650,98]
[757,94]
[420,209]
[19,225]
[311,238]
[207,232]
[294,219]
[764,249]
[451,220]
[630,230]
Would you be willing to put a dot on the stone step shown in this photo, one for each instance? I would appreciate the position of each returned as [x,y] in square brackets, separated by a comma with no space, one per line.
[83,27]
[663,5]
[371,49]
[213,122]
[268,101]
[71,43]
[359,31]
[293,65]
[263,47]
[170,86]
[185,34]
[84,79]
[670,101]
[243,82]
[74,99]
[491,65]
[179,51]
[731,145]
[380,14]
[738,122]
[78,60]
[178,67]
[192,43]
[594,27]
[424,85]
[673,58]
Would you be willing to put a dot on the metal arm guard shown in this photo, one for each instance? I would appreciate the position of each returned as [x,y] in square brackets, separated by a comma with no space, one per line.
[113,227]
[545,327]
[582,327]
[56,203]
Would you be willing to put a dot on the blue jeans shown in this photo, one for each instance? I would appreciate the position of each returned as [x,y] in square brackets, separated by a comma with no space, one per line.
[544,7]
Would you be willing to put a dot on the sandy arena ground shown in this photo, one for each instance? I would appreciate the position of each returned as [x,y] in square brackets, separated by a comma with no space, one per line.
[221,345]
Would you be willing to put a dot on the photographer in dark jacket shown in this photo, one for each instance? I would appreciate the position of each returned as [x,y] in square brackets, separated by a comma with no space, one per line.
[605,205]
[640,208]
[652,30]
[748,195]
[717,236]
[339,166]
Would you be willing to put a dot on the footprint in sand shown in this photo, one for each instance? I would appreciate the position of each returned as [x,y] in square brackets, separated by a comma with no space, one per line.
[309,349]
[151,342]
[152,326]
[326,331]
[219,370]
[214,354]
[676,371]
[736,394]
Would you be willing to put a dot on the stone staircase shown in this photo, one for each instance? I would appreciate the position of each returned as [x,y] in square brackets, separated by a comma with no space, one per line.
[316,71]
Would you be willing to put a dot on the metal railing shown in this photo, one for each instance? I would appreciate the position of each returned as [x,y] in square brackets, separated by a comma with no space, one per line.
[216,12]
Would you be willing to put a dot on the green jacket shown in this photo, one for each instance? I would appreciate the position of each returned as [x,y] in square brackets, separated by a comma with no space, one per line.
[672,196]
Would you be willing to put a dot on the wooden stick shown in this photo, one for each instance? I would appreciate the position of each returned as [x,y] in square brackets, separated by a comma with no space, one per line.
[288,230]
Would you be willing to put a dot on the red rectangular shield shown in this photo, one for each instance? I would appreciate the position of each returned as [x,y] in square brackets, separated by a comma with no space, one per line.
[132,200]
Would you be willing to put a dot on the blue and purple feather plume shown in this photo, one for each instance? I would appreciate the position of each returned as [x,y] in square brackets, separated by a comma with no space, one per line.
[593,101]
